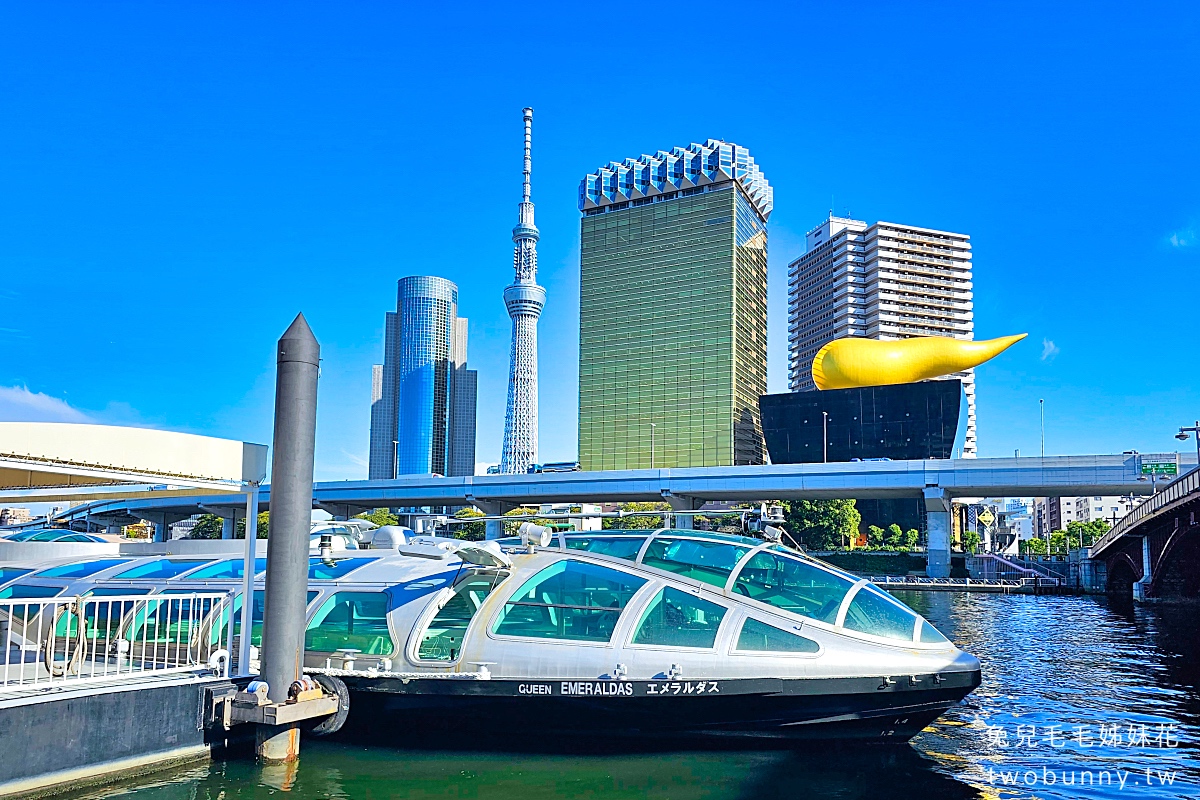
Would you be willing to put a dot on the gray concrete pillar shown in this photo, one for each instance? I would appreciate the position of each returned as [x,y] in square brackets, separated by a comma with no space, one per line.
[227,527]
[1141,589]
[937,515]
[162,531]
[680,503]
[492,528]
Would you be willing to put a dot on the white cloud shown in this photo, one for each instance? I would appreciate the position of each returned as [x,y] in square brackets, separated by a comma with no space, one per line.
[18,404]
[1049,350]
[1184,238]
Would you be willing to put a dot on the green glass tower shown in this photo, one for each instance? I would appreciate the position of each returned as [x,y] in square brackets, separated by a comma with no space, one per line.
[673,310]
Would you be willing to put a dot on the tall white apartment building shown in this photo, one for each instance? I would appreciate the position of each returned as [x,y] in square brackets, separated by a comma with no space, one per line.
[881,281]
[1109,509]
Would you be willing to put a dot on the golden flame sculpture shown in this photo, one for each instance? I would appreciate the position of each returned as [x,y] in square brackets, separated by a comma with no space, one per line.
[853,362]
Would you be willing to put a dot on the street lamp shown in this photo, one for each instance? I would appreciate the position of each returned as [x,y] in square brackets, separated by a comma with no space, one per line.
[1042,408]
[1183,435]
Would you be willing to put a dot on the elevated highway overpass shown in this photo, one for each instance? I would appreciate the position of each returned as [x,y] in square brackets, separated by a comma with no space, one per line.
[936,482]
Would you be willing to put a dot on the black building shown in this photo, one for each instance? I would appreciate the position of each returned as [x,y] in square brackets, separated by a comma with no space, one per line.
[901,422]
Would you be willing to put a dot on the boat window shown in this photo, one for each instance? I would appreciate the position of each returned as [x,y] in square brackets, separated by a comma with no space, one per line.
[18,591]
[792,585]
[442,639]
[230,569]
[103,614]
[355,620]
[115,591]
[160,568]
[81,570]
[569,600]
[761,637]
[319,570]
[256,616]
[680,619]
[706,561]
[12,573]
[931,635]
[871,611]
[616,546]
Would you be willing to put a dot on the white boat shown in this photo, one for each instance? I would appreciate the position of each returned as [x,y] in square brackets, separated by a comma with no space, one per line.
[666,632]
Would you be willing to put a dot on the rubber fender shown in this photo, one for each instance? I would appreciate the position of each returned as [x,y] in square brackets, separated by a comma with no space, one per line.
[334,722]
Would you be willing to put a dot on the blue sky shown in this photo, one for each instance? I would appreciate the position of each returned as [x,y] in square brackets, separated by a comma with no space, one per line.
[178,180]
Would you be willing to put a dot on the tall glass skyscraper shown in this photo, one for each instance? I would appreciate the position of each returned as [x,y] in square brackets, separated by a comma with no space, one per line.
[673,309]
[423,397]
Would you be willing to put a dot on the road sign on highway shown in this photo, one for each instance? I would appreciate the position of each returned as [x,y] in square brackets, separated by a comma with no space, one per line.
[1159,464]
[986,517]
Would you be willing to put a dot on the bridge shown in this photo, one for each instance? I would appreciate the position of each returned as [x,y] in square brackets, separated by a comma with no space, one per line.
[1154,551]
[935,482]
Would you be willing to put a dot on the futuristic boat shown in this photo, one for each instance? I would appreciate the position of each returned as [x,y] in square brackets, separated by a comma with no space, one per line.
[673,633]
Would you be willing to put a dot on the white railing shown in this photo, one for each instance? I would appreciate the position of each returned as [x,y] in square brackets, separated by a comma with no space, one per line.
[72,640]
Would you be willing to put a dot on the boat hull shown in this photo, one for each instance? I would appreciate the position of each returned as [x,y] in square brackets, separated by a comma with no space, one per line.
[749,710]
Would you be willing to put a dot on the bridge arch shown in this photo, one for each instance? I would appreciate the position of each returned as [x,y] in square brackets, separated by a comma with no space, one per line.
[1178,573]
[1122,575]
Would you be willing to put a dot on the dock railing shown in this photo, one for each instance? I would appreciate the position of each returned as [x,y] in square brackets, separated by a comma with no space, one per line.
[63,641]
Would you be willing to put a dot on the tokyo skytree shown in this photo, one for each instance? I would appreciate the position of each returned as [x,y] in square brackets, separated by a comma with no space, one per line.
[524,300]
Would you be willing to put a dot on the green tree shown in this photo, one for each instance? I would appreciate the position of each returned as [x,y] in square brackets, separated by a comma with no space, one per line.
[380,516]
[970,541]
[207,527]
[875,537]
[1085,534]
[1058,542]
[1033,547]
[471,531]
[911,538]
[510,528]
[822,524]
[895,536]
[636,523]
[263,526]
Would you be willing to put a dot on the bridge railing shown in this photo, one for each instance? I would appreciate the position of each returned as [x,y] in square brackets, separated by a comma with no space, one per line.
[1177,490]
[65,641]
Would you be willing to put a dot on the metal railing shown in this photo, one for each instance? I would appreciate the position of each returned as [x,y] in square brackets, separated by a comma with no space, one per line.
[989,565]
[1177,490]
[52,642]
[916,581]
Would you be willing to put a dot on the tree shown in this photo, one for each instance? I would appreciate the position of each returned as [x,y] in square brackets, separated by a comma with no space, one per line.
[822,524]
[895,536]
[636,523]
[207,527]
[262,527]
[1058,541]
[510,528]
[1085,534]
[381,517]
[971,540]
[471,531]
[875,537]
[911,537]
[1033,547]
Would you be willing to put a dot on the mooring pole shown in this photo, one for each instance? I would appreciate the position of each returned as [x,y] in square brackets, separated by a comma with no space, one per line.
[298,358]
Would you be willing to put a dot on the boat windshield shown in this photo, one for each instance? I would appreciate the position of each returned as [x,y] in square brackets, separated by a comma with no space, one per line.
[626,547]
[704,560]
[82,570]
[226,570]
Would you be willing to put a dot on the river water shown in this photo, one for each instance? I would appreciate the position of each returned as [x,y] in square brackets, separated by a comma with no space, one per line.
[1081,698]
